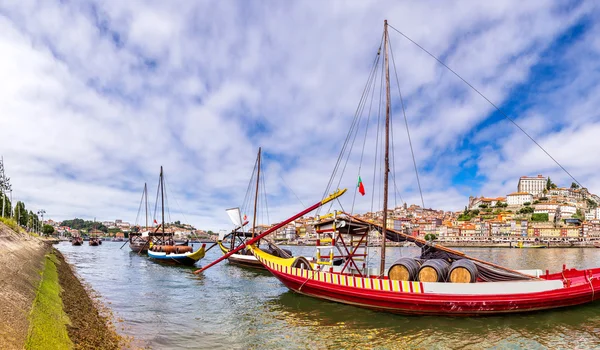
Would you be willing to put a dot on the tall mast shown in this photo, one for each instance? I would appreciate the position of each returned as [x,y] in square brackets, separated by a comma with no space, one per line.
[387,146]
[162,201]
[146,199]
[256,195]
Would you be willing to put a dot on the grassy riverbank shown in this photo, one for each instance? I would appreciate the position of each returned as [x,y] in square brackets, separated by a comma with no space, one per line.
[48,321]
[43,305]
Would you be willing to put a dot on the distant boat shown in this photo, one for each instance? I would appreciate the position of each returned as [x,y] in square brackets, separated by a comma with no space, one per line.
[597,244]
[95,237]
[520,244]
[139,242]
[76,240]
[162,246]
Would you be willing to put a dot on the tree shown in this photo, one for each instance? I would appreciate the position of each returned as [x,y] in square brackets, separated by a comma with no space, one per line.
[430,237]
[7,206]
[539,217]
[33,221]
[47,229]
[21,214]
[526,210]
[578,214]
[527,204]
[574,186]
[475,212]
[483,206]
[548,183]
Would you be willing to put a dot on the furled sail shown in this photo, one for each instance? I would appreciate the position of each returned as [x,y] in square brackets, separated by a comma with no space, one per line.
[235,216]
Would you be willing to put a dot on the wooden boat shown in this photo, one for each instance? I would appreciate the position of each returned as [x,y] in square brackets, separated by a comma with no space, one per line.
[95,240]
[176,254]
[441,281]
[138,244]
[162,246]
[245,258]
[520,244]
[138,241]
[76,240]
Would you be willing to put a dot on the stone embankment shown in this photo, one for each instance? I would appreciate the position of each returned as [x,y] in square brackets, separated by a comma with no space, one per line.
[42,302]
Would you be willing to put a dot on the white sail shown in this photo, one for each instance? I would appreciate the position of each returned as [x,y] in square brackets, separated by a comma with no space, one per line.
[235,216]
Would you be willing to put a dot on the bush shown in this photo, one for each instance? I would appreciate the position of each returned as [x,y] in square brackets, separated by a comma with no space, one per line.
[539,217]
[10,223]
[47,229]
[527,203]
[430,237]
[526,210]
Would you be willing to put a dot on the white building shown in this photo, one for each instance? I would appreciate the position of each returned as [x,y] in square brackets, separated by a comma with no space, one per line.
[518,198]
[566,211]
[530,184]
[590,216]
[597,213]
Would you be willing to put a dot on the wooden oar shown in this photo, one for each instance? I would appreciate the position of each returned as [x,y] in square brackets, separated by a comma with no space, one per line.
[331,197]
[441,247]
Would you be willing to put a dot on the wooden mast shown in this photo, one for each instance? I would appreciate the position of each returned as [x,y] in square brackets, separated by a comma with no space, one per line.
[162,201]
[387,146]
[146,199]
[256,195]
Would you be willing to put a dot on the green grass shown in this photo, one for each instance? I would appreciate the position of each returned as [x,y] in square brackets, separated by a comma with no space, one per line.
[12,223]
[47,321]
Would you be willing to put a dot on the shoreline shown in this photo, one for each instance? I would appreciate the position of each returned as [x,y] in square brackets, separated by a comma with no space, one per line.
[44,303]
[552,245]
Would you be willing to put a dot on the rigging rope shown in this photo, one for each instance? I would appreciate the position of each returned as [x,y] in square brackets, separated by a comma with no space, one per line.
[289,188]
[407,130]
[490,102]
[139,210]
[366,133]
[340,157]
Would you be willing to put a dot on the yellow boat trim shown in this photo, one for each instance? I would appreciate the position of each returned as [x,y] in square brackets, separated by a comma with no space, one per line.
[333,196]
[198,254]
[283,265]
[223,249]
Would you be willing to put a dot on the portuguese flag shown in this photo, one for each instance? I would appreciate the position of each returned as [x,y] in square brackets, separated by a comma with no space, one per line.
[361,187]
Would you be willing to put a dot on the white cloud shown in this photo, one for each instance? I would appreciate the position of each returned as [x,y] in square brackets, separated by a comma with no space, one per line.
[95,96]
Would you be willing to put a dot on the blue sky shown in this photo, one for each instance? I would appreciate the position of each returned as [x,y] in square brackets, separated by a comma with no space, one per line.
[96,96]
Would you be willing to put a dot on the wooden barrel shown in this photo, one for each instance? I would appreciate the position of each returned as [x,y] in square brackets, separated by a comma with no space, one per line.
[183,249]
[463,271]
[405,269]
[434,270]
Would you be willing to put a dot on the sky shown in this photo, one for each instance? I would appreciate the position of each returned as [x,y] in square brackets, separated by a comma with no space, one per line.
[96,95]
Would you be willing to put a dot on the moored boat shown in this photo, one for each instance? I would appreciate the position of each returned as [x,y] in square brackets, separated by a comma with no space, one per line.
[162,245]
[76,240]
[520,244]
[183,255]
[441,281]
[139,242]
[245,258]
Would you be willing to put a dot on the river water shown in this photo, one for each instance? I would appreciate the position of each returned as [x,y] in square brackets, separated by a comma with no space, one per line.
[228,307]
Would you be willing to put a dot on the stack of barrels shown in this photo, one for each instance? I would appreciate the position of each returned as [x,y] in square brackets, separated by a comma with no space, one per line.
[172,249]
[433,270]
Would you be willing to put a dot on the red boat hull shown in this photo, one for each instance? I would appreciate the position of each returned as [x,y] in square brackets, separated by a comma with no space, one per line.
[580,287]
